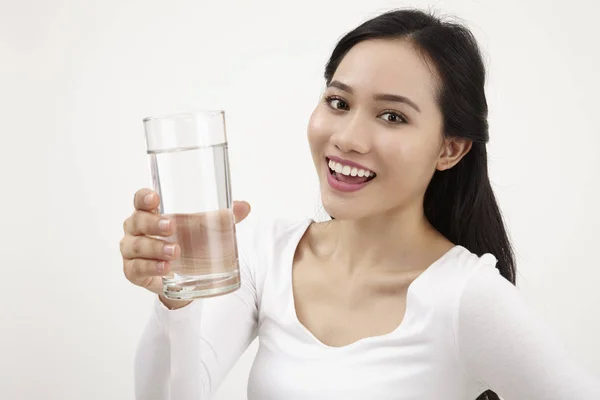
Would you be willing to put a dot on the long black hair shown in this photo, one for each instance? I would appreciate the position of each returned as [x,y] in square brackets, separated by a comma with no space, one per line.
[459,202]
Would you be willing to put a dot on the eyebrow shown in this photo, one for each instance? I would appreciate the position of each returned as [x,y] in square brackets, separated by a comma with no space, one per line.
[378,97]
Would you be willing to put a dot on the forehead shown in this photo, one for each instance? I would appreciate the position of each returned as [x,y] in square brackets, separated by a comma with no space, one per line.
[388,66]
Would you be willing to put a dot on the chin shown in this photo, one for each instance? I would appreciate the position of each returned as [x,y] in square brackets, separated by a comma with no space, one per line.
[344,209]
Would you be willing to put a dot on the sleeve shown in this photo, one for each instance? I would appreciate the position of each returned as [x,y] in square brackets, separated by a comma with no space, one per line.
[506,347]
[185,353]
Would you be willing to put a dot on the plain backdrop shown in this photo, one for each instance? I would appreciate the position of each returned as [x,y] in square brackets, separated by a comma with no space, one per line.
[78,76]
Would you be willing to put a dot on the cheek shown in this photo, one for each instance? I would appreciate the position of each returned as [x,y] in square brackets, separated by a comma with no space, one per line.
[409,155]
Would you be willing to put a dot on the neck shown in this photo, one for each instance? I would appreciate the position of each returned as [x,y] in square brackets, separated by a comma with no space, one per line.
[396,240]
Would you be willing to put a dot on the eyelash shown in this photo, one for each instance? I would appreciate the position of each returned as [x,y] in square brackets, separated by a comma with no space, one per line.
[328,100]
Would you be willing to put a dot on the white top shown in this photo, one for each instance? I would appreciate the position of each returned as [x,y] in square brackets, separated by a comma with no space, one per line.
[466,329]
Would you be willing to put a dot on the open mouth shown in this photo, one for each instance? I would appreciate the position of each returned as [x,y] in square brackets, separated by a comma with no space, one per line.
[349,175]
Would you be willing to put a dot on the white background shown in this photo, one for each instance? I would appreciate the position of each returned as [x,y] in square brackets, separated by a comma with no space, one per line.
[77,77]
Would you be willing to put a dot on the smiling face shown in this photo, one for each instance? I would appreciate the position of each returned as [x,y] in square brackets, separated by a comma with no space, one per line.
[379,112]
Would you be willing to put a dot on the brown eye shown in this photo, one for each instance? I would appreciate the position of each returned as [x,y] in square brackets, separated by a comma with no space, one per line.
[394,118]
[336,103]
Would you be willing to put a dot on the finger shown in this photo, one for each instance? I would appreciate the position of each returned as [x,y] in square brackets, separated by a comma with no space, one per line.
[138,270]
[146,200]
[152,283]
[148,248]
[241,209]
[147,223]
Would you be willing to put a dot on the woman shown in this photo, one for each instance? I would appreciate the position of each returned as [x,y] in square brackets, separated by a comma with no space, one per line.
[407,293]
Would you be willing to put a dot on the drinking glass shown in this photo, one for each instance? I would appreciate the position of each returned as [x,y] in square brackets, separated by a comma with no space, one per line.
[190,172]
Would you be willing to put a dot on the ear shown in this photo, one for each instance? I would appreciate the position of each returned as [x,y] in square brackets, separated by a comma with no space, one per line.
[452,151]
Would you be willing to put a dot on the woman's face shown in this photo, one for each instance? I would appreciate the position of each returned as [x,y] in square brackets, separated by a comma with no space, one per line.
[398,139]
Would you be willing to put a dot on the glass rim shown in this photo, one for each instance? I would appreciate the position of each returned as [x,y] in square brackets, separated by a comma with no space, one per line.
[184,114]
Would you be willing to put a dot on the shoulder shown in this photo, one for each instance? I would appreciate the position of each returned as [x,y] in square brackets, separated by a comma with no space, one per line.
[468,289]
[455,270]
[462,264]
[266,240]
[267,231]
[478,280]
[457,276]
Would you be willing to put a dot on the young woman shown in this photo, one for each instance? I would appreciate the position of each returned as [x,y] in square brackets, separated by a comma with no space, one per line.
[407,293]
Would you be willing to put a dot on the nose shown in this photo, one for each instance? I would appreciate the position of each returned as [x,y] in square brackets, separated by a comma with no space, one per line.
[352,135]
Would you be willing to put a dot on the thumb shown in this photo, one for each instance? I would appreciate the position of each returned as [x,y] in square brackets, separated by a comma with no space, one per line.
[241,209]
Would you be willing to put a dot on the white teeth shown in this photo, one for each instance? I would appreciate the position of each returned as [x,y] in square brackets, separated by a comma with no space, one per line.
[348,171]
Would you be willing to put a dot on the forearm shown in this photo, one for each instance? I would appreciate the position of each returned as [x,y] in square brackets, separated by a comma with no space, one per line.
[185,353]
[169,361]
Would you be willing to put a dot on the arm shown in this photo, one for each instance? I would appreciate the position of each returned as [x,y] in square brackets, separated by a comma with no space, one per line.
[505,346]
[186,353]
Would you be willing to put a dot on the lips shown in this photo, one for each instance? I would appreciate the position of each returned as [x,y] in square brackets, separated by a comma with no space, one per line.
[348,183]
[353,178]
[349,163]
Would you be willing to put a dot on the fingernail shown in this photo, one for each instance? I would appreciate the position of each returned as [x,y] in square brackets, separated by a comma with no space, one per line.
[164,225]
[160,267]
[169,249]
[148,198]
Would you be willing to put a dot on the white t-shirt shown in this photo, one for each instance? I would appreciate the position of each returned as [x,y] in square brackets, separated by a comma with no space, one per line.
[466,329]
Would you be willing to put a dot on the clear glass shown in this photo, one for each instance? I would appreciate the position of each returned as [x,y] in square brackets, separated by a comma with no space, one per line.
[190,172]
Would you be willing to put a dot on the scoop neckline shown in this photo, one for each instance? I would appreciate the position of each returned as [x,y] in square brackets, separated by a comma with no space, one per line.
[408,313]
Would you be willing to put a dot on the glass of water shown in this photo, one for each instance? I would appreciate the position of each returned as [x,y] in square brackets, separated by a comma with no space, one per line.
[190,173]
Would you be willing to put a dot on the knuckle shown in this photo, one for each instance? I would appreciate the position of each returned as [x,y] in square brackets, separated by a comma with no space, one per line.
[137,245]
[136,267]
[122,243]
[146,283]
[128,224]
[127,269]
[135,222]
[141,223]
